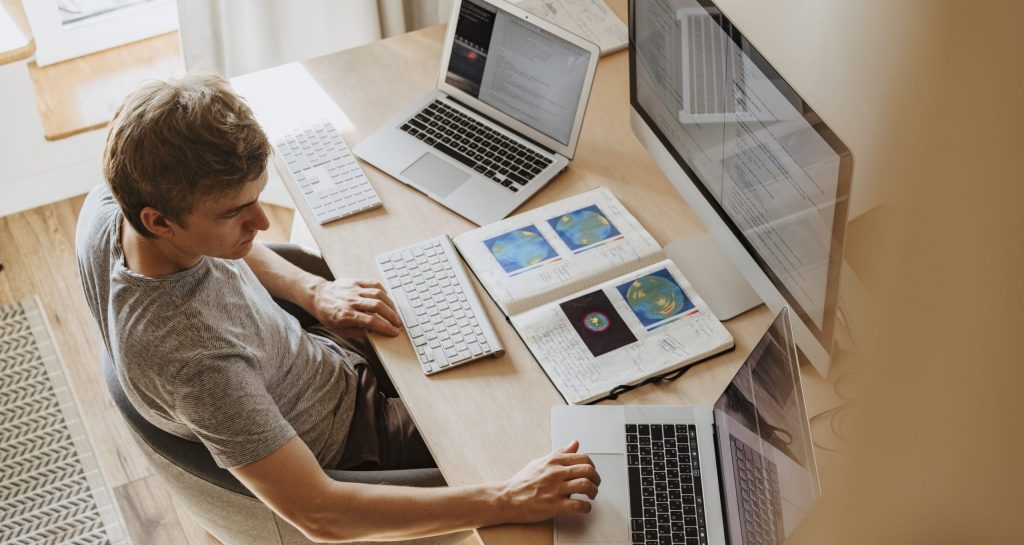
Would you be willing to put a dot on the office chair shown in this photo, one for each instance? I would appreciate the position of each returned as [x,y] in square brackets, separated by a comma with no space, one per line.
[217,500]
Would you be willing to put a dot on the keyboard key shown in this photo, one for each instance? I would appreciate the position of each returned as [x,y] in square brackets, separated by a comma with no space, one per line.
[457,155]
[516,178]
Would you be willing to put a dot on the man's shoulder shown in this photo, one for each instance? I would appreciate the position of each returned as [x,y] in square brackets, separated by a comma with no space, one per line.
[95,220]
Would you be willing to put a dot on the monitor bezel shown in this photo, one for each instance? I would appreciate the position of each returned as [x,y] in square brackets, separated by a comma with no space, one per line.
[824,334]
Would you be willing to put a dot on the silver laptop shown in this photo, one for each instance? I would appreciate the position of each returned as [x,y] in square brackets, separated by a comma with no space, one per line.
[505,116]
[741,472]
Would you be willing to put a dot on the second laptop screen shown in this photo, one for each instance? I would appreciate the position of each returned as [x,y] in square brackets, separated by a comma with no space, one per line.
[517,68]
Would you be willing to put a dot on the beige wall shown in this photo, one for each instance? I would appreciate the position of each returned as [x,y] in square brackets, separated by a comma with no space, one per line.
[927,94]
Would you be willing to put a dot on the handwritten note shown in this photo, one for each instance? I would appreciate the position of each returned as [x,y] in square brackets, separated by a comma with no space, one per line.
[581,377]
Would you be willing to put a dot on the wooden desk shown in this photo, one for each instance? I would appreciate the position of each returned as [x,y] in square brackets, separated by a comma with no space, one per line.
[485,420]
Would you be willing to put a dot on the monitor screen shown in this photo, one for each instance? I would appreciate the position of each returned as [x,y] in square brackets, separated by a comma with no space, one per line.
[769,479]
[770,168]
[521,70]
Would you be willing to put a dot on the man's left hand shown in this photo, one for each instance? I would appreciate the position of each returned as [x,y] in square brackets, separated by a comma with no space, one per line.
[348,303]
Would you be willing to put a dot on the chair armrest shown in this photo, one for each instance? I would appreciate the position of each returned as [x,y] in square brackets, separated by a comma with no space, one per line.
[309,262]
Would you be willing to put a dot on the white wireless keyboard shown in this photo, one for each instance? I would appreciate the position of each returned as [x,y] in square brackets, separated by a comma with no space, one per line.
[443,316]
[331,180]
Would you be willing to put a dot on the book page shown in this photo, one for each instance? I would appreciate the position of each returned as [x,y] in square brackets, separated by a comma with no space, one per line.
[636,326]
[538,256]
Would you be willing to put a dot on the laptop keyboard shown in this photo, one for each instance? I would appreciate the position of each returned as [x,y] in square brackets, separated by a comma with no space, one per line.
[476,145]
[665,494]
[757,481]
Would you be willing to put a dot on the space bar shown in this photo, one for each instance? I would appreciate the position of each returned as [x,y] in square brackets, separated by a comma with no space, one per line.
[455,155]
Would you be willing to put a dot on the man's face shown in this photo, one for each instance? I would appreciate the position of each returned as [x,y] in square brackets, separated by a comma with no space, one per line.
[225,226]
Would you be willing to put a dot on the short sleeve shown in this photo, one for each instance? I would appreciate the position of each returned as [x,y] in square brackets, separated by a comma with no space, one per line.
[225,402]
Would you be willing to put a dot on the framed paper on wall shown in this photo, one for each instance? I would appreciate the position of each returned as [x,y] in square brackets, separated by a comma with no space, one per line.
[65,29]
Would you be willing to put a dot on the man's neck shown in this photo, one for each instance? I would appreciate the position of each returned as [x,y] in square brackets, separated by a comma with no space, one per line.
[152,256]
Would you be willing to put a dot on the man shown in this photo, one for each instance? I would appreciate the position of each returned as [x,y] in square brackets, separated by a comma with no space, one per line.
[183,298]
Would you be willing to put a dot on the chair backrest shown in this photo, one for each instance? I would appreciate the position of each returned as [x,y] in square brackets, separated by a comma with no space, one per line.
[190,456]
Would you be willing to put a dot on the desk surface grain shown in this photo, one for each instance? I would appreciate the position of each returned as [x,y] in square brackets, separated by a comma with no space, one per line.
[485,420]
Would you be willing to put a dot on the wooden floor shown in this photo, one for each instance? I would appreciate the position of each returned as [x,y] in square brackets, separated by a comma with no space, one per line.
[37,249]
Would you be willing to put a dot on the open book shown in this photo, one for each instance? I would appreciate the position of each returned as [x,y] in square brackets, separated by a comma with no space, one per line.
[592,295]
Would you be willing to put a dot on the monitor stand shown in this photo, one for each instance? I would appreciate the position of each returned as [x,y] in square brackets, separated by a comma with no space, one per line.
[713,275]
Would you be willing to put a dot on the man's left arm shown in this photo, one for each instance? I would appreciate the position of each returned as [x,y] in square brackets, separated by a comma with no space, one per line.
[342,304]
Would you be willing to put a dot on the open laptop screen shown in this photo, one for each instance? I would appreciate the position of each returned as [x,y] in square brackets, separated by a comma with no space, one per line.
[517,68]
[769,479]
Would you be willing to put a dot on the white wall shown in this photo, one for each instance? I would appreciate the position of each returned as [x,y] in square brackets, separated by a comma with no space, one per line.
[235,37]
[34,171]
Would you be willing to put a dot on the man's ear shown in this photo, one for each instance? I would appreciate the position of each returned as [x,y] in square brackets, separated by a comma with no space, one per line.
[157,223]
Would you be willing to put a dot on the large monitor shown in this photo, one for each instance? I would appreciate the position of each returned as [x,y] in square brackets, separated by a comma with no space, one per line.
[758,166]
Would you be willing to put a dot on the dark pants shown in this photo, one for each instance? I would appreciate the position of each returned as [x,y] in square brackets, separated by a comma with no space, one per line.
[382,435]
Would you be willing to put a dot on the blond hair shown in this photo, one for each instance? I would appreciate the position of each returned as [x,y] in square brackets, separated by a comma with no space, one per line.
[174,143]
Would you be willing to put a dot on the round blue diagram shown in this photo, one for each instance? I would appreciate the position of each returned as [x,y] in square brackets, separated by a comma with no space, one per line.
[517,250]
[584,227]
[655,297]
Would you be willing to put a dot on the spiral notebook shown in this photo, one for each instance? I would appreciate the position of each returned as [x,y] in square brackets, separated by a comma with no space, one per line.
[592,295]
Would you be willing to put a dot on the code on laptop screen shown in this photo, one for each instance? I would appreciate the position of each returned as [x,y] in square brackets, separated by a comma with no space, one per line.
[517,68]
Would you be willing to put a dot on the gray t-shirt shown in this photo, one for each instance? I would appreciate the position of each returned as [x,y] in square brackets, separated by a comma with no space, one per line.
[207,354]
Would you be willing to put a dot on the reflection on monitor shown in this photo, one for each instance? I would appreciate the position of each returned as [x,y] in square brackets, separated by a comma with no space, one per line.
[768,169]
[769,478]
[517,68]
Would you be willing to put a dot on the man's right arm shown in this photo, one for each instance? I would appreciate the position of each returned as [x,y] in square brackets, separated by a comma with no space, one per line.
[292,483]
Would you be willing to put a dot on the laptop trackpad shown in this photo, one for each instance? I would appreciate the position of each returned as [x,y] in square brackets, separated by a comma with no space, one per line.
[435,174]
[607,521]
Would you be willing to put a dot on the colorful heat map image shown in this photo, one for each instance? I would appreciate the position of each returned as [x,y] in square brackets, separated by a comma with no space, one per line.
[597,323]
[584,228]
[655,298]
[521,249]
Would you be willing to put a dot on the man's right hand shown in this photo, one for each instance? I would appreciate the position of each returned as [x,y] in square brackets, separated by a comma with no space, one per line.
[291,482]
[542,489]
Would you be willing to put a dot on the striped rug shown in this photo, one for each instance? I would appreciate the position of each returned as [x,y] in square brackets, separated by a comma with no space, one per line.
[51,489]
